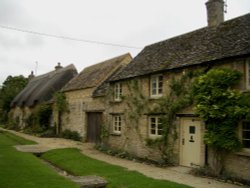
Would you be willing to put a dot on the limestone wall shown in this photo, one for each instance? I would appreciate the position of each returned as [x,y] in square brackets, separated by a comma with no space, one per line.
[134,134]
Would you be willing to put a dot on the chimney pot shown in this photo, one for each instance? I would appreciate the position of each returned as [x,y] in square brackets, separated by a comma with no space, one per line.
[215,12]
[31,75]
[58,66]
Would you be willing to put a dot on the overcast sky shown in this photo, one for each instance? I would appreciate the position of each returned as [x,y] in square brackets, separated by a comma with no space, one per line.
[131,23]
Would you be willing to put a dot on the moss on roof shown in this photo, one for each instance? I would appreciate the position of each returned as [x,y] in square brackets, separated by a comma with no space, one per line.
[41,88]
[229,39]
[95,75]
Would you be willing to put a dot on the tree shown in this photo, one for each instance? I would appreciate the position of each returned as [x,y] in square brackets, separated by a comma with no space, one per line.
[61,105]
[10,88]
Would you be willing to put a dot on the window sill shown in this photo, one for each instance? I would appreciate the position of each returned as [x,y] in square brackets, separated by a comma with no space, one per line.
[153,137]
[115,134]
[155,97]
[245,91]
[115,101]
[245,152]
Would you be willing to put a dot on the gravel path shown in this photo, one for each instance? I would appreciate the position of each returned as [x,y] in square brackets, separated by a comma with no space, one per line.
[175,174]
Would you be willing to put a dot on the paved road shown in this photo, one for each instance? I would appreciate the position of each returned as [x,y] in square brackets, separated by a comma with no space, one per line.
[175,174]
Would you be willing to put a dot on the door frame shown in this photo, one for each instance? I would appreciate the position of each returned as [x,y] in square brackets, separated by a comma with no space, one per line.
[181,136]
[87,125]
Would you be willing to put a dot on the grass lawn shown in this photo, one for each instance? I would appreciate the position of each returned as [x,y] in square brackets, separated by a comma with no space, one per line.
[76,163]
[23,170]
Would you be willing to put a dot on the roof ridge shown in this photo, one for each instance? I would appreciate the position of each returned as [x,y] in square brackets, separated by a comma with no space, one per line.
[70,66]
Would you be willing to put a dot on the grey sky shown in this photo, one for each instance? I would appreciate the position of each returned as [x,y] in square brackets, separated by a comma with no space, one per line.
[130,22]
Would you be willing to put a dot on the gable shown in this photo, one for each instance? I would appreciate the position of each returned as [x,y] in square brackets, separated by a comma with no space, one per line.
[96,74]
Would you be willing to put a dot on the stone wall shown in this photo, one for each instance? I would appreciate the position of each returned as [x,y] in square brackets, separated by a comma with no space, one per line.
[133,134]
[80,102]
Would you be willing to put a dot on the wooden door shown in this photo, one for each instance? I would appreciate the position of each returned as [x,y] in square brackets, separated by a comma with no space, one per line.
[94,123]
[191,143]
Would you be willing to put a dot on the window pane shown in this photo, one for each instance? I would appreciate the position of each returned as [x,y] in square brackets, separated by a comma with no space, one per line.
[160,131]
[246,143]
[117,124]
[246,125]
[160,91]
[153,126]
[154,91]
[152,131]
[118,90]
[192,129]
[246,134]
[153,120]
[160,78]
[160,126]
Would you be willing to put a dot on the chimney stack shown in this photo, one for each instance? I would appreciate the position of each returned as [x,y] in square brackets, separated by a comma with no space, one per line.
[31,75]
[58,66]
[215,12]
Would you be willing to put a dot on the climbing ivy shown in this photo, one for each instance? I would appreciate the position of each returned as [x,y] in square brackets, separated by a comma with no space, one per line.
[61,102]
[178,98]
[61,105]
[221,107]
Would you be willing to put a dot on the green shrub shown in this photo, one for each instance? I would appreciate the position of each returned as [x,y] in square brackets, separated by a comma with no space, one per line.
[13,124]
[68,134]
[49,133]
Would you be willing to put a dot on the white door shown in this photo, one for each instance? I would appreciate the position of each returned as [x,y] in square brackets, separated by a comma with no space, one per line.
[191,143]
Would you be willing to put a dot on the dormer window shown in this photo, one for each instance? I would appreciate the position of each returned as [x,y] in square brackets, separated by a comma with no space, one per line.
[118,91]
[156,86]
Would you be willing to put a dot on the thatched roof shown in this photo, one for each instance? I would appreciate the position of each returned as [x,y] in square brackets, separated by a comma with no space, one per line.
[229,39]
[41,88]
[96,75]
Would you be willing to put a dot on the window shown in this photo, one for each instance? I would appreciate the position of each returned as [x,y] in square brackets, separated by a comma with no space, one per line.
[117,124]
[155,127]
[156,85]
[248,74]
[118,92]
[246,134]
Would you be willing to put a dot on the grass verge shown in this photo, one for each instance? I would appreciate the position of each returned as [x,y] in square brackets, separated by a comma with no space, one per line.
[78,164]
[23,170]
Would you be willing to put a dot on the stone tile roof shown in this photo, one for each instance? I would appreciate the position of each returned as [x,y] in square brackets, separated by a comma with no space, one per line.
[102,89]
[95,75]
[41,88]
[229,39]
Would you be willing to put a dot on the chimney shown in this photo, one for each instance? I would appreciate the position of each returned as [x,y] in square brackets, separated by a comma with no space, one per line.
[31,75]
[58,66]
[215,12]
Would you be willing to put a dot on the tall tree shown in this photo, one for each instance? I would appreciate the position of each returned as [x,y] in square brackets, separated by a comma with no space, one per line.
[10,88]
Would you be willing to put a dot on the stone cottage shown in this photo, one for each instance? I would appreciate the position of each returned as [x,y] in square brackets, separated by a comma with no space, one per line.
[85,97]
[132,122]
[40,89]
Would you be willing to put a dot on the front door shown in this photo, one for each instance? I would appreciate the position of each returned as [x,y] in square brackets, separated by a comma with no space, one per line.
[94,127]
[191,145]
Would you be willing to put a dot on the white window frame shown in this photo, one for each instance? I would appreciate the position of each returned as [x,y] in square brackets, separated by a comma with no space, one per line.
[117,124]
[242,136]
[155,89]
[154,125]
[118,91]
[248,74]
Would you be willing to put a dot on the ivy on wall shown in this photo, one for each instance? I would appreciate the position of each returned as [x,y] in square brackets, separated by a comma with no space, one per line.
[213,98]
[178,98]
[61,106]
[222,108]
